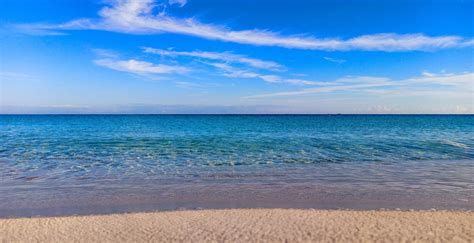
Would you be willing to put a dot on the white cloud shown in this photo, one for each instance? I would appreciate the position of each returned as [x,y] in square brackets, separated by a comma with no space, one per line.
[181,3]
[14,76]
[318,90]
[464,80]
[233,72]
[221,56]
[136,17]
[188,85]
[335,60]
[139,67]
[36,29]
[105,53]
[426,85]
[363,79]
[110,59]
[307,82]
[230,71]
[271,78]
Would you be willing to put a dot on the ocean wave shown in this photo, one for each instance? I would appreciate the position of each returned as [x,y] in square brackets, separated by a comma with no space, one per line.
[455,144]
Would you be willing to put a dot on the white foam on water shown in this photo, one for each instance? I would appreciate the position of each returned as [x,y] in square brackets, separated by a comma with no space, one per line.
[455,144]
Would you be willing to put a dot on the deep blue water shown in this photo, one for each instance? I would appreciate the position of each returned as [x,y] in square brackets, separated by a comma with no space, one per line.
[42,155]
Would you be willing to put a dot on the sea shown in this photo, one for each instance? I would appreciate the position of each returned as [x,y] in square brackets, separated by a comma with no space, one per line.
[95,164]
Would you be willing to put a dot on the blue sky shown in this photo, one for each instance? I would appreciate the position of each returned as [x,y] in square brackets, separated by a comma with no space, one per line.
[203,56]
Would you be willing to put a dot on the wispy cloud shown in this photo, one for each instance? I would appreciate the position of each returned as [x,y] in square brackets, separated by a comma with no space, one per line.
[318,90]
[450,84]
[188,85]
[308,82]
[180,3]
[36,29]
[335,60]
[112,60]
[139,67]
[228,70]
[128,16]
[233,72]
[15,76]
[105,53]
[271,78]
[220,56]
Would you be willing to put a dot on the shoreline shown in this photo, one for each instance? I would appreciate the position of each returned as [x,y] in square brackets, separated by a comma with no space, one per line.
[246,225]
[320,186]
[102,212]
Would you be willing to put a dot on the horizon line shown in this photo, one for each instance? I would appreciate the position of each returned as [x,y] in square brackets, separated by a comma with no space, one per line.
[237,114]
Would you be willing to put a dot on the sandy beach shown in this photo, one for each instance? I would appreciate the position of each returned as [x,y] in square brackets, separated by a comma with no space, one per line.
[240,225]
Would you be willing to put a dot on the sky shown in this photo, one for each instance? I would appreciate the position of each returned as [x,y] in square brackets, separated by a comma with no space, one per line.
[216,56]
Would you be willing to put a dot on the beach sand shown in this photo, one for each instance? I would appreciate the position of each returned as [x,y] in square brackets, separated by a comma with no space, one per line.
[241,225]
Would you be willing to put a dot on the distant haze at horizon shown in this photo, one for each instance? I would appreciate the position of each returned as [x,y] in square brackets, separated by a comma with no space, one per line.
[187,109]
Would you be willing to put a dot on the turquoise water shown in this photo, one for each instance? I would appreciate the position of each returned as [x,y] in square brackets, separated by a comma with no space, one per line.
[142,155]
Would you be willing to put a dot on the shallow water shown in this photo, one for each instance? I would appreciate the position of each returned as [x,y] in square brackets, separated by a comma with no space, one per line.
[53,165]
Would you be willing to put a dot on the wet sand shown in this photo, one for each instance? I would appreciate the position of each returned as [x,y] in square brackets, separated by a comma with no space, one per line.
[242,225]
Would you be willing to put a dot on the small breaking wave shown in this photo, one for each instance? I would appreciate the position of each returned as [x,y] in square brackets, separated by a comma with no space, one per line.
[455,144]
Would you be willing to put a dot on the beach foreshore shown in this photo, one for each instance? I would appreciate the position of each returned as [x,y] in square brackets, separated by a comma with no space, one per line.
[243,225]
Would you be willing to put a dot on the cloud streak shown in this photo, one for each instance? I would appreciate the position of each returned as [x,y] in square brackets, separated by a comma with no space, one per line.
[220,56]
[14,76]
[452,84]
[139,67]
[180,3]
[335,60]
[136,17]
[233,72]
